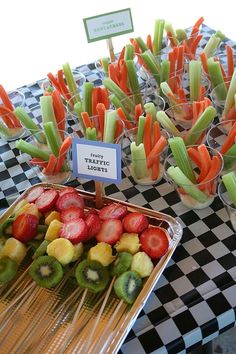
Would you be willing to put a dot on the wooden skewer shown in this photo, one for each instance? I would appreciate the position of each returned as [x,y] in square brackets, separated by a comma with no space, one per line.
[111,49]
[99,194]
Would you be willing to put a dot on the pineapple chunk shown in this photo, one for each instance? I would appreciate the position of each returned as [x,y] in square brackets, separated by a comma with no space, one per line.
[129,242]
[19,206]
[29,208]
[102,253]
[14,249]
[53,230]
[54,215]
[78,250]
[61,249]
[142,264]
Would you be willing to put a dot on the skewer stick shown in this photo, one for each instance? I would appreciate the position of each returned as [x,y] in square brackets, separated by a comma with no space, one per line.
[111,49]
[99,194]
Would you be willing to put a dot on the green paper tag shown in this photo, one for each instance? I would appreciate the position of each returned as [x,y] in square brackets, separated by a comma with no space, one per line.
[108,25]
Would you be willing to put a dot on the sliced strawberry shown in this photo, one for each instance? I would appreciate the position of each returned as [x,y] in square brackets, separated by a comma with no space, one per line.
[91,211]
[47,200]
[34,194]
[71,214]
[94,225]
[68,200]
[67,190]
[135,222]
[113,211]
[24,227]
[154,242]
[110,232]
[75,231]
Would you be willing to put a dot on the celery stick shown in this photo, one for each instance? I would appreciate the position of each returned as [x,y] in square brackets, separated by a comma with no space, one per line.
[118,104]
[212,44]
[52,138]
[158,36]
[105,65]
[190,188]
[140,132]
[49,89]
[166,91]
[129,52]
[229,181]
[87,97]
[138,156]
[171,33]
[217,78]
[4,130]
[181,34]
[150,108]
[200,125]
[152,64]
[133,82]
[167,124]
[30,125]
[182,160]
[32,150]
[121,95]
[165,70]
[78,108]
[141,44]
[91,134]
[110,127]
[230,158]
[235,102]
[71,82]
[48,115]
[229,102]
[194,79]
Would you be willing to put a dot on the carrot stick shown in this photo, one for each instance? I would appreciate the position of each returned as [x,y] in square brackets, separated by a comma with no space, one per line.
[205,162]
[180,60]
[119,128]
[5,99]
[207,102]
[231,114]
[86,120]
[62,154]
[54,82]
[64,90]
[95,99]
[156,150]
[59,111]
[230,61]
[198,22]
[123,117]
[172,70]
[182,95]
[113,73]
[49,169]
[155,169]
[171,39]
[194,156]
[149,43]
[156,132]
[156,162]
[147,136]
[195,44]
[223,72]
[229,140]
[101,109]
[9,117]
[202,93]
[38,161]
[104,97]
[188,51]
[212,173]
[204,62]
[121,57]
[138,111]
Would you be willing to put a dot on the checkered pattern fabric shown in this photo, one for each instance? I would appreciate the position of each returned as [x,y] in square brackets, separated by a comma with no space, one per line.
[194,300]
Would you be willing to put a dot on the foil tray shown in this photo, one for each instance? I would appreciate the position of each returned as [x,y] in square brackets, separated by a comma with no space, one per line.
[63,319]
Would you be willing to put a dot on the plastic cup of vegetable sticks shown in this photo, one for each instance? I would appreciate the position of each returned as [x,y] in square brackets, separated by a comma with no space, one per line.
[10,127]
[222,137]
[192,193]
[145,168]
[56,170]
[229,207]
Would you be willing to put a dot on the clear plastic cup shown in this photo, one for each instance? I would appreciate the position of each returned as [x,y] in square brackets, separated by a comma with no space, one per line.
[229,207]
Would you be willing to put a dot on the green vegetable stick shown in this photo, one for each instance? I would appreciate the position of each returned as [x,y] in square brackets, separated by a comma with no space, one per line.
[78,110]
[152,64]
[190,188]
[121,95]
[133,81]
[194,79]
[158,36]
[167,124]
[166,91]
[182,160]
[217,78]
[211,46]
[138,157]
[110,127]
[229,102]
[230,157]
[5,131]
[149,107]
[229,181]
[48,115]
[181,34]
[129,52]
[140,132]
[52,138]
[165,70]
[141,44]
[30,125]
[32,150]
[200,125]
[91,134]
[105,65]
[118,104]
[71,82]
[87,97]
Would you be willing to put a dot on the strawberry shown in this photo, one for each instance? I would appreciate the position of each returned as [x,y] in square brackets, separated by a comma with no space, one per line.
[46,201]
[135,222]
[91,211]
[154,242]
[72,213]
[66,190]
[34,194]
[68,200]
[94,225]
[113,211]
[24,227]
[75,231]
[110,232]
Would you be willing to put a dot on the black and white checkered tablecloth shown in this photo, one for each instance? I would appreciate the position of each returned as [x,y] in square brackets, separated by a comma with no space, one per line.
[195,299]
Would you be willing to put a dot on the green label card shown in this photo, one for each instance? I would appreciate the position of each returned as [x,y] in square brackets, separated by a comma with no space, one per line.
[108,25]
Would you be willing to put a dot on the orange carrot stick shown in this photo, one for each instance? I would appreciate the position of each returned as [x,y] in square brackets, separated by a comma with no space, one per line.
[231,114]
[205,162]
[156,150]
[212,173]
[49,169]
[101,109]
[123,117]
[121,57]
[95,99]
[113,73]
[86,120]
[156,132]
[138,111]
[38,161]
[5,99]
[119,128]
[180,60]
[182,95]
[223,72]
[195,44]
[9,117]
[62,154]
[54,82]
[155,170]
[230,61]
[149,43]
[199,22]
[104,97]
[229,140]
[64,90]
[147,136]
[194,156]
[59,110]
[204,62]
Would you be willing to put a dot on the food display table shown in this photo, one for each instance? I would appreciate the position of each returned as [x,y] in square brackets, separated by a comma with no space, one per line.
[194,300]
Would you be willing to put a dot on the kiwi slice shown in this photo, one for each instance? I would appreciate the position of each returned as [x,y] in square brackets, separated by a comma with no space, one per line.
[92,275]
[6,227]
[46,271]
[122,263]
[127,286]
[41,249]
[8,269]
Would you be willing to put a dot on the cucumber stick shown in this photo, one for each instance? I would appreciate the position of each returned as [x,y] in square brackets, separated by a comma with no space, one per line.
[229,181]
[71,82]
[110,126]
[217,79]
[32,150]
[52,138]
[87,97]
[194,79]
[140,132]
[138,156]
